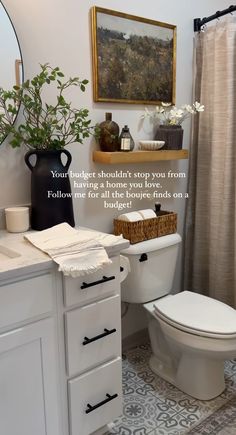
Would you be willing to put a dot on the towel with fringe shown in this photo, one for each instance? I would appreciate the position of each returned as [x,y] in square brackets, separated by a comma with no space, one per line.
[77,252]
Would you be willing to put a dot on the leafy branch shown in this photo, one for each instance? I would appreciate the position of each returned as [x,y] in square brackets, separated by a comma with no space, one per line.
[46,126]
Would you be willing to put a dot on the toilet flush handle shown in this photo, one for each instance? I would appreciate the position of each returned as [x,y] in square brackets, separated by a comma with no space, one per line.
[143,257]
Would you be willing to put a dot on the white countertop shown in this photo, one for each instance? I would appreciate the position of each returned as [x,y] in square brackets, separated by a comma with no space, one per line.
[30,259]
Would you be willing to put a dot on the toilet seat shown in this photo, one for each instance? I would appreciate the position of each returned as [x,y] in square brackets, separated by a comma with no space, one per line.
[197,314]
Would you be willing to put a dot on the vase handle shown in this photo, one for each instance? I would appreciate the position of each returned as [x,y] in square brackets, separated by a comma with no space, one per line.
[69,158]
[27,161]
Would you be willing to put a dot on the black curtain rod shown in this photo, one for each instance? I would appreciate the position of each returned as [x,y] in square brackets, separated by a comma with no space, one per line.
[198,22]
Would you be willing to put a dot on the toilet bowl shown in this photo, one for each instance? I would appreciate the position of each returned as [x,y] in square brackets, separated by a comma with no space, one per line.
[191,335]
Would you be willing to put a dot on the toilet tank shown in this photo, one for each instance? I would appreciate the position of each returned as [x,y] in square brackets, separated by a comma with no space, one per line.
[152,265]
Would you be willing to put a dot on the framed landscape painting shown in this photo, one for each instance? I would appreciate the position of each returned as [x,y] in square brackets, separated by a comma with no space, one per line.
[134,59]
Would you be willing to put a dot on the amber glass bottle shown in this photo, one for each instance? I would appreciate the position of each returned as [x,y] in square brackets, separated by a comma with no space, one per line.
[109,134]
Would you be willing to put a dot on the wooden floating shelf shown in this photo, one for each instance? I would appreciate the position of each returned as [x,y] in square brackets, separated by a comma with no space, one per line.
[138,156]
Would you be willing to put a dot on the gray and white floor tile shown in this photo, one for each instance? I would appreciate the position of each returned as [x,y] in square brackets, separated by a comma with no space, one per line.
[152,406]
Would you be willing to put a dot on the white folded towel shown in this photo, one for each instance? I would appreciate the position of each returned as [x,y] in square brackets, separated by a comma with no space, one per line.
[133,216]
[78,252]
[147,213]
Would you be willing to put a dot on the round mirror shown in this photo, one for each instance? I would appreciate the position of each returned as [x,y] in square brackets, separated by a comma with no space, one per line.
[11,72]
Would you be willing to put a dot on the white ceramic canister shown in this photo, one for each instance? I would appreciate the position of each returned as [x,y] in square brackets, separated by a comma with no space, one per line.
[17,219]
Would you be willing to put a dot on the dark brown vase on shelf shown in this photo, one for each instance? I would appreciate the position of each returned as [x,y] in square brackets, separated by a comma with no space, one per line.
[172,135]
[109,134]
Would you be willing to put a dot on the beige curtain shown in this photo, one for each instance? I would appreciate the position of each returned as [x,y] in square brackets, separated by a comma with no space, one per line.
[210,238]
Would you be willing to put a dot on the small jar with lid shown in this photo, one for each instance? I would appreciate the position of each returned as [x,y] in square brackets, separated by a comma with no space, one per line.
[126,141]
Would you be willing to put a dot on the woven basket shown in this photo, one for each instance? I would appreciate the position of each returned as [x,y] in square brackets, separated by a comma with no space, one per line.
[135,232]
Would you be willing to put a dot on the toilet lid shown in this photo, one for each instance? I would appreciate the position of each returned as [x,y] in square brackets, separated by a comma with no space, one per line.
[198,314]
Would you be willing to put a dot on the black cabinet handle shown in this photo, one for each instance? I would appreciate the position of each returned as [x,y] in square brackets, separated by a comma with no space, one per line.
[97,337]
[91,408]
[100,281]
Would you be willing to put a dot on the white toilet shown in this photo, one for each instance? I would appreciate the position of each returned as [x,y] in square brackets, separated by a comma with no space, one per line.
[191,334]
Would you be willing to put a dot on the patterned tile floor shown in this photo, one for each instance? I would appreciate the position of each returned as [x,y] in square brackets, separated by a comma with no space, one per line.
[151,406]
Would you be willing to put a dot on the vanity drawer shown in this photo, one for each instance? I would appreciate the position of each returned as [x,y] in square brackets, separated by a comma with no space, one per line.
[95,398]
[25,299]
[93,334]
[92,286]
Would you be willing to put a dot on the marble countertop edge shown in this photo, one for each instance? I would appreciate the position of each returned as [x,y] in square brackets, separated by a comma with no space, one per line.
[29,258]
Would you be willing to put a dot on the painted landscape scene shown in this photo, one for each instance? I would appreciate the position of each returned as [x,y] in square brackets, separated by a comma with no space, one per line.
[135,60]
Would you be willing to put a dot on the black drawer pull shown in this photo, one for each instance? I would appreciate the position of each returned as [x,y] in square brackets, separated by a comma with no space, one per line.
[100,281]
[92,408]
[104,334]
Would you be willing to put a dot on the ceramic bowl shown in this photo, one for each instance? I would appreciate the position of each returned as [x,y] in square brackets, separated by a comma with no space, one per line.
[151,145]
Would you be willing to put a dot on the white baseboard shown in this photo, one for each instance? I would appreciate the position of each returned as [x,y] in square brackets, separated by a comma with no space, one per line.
[103,430]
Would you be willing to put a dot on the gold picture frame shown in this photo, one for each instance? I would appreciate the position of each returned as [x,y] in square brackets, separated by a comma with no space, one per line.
[134,58]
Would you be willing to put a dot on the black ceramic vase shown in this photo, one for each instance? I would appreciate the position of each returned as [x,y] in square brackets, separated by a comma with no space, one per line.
[51,196]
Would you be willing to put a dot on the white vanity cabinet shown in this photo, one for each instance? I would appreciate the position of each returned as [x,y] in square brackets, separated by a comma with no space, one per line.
[93,348]
[60,345]
[28,381]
